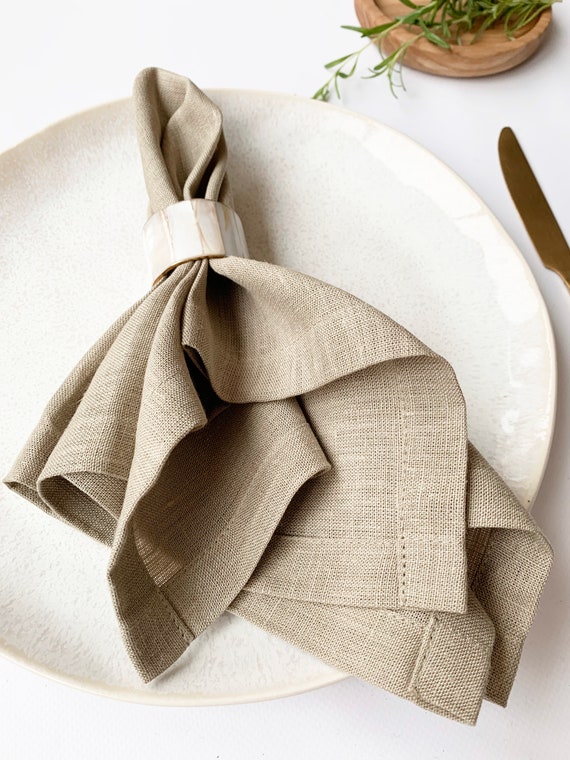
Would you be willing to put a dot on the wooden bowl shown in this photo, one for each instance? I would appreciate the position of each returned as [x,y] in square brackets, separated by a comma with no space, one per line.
[492,53]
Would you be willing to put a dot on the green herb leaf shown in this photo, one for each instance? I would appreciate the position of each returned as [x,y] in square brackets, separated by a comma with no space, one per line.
[442,23]
[373,31]
[431,36]
[338,61]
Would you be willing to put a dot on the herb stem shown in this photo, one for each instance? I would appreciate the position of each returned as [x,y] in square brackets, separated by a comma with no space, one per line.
[442,23]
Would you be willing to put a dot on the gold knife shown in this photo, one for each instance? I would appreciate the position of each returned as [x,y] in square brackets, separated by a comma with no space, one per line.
[533,207]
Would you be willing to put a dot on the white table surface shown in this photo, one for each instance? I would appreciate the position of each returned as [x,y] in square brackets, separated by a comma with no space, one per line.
[60,57]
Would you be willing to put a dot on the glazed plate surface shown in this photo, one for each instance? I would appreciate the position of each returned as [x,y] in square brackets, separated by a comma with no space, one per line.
[318,189]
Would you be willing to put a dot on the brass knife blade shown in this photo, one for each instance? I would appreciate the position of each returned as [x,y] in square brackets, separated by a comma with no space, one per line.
[533,207]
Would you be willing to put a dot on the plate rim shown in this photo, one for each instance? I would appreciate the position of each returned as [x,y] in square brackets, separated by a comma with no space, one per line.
[182,699]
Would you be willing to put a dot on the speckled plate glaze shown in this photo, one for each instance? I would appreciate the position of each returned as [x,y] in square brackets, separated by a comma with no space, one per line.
[318,189]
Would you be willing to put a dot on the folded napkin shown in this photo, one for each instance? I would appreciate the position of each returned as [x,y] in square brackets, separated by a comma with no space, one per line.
[248,438]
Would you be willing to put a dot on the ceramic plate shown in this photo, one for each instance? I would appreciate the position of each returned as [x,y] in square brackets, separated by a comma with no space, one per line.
[319,189]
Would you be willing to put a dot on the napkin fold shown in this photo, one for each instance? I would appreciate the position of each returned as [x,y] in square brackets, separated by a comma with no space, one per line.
[248,438]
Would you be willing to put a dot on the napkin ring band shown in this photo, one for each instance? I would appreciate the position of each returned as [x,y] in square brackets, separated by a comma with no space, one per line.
[191,230]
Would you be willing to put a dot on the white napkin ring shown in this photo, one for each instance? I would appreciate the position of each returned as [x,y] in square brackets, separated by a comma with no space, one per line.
[190,230]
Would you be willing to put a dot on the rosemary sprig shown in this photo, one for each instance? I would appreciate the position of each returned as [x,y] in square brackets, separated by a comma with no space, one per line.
[441,22]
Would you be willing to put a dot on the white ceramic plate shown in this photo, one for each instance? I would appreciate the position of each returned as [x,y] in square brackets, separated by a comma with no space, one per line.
[318,189]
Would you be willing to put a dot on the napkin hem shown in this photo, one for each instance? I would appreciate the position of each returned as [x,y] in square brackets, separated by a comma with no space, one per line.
[509,561]
[183,590]
[370,571]
[440,663]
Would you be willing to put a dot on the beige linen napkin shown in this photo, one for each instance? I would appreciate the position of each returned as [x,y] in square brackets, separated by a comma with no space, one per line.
[248,438]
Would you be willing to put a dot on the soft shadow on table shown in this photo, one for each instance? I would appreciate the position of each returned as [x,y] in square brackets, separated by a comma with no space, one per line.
[547,644]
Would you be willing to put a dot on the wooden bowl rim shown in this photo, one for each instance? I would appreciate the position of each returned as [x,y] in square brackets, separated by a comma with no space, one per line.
[403,35]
